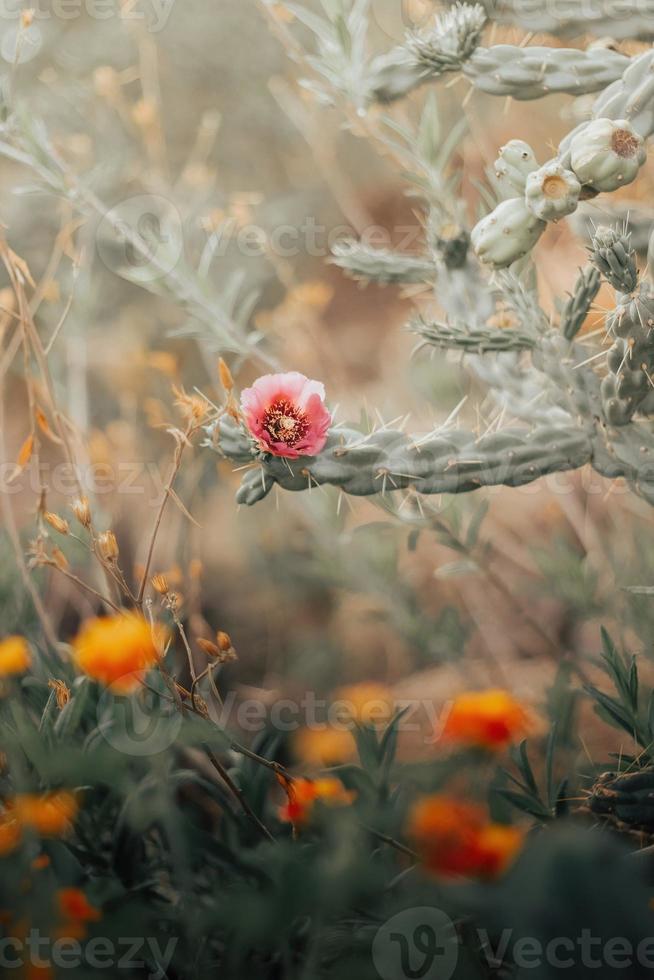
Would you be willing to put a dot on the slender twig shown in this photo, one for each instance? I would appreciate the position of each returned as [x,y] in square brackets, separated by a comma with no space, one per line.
[237,792]
[80,583]
[177,461]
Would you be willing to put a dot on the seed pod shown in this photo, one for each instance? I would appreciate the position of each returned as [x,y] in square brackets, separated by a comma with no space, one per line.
[56,522]
[508,233]
[108,546]
[82,511]
[551,192]
[606,154]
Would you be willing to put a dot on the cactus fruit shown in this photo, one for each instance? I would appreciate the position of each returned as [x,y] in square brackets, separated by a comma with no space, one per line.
[508,233]
[606,154]
[632,96]
[551,192]
[612,255]
[515,162]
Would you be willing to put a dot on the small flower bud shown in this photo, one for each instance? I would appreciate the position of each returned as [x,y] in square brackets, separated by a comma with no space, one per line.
[208,647]
[61,691]
[160,584]
[226,379]
[82,511]
[224,641]
[56,522]
[108,546]
[59,559]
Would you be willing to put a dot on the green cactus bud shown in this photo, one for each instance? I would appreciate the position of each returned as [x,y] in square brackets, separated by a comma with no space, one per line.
[606,154]
[551,192]
[515,162]
[612,255]
[446,43]
[506,234]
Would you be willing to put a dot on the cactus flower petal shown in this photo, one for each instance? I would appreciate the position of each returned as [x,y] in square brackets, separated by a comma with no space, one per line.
[286,414]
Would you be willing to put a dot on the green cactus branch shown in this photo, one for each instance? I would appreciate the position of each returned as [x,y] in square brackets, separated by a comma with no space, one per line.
[454,461]
[481,340]
[571,404]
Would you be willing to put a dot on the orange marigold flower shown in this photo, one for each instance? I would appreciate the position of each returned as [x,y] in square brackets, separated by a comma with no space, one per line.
[74,905]
[10,834]
[456,838]
[15,656]
[303,794]
[118,650]
[49,815]
[324,746]
[367,703]
[486,719]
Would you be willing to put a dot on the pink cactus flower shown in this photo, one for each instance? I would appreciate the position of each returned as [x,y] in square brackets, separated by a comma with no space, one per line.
[286,414]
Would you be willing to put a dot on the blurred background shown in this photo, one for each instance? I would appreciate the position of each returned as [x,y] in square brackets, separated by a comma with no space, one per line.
[187,120]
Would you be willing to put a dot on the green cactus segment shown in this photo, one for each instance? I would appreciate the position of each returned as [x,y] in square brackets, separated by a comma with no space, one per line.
[631,358]
[533,72]
[455,461]
[481,340]
[612,255]
[632,97]
[578,305]
[381,265]
[627,798]
[602,18]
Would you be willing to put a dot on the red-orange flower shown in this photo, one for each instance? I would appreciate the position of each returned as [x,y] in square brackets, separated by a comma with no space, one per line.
[73,904]
[303,794]
[485,719]
[15,656]
[456,838]
[118,650]
[324,746]
[49,815]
